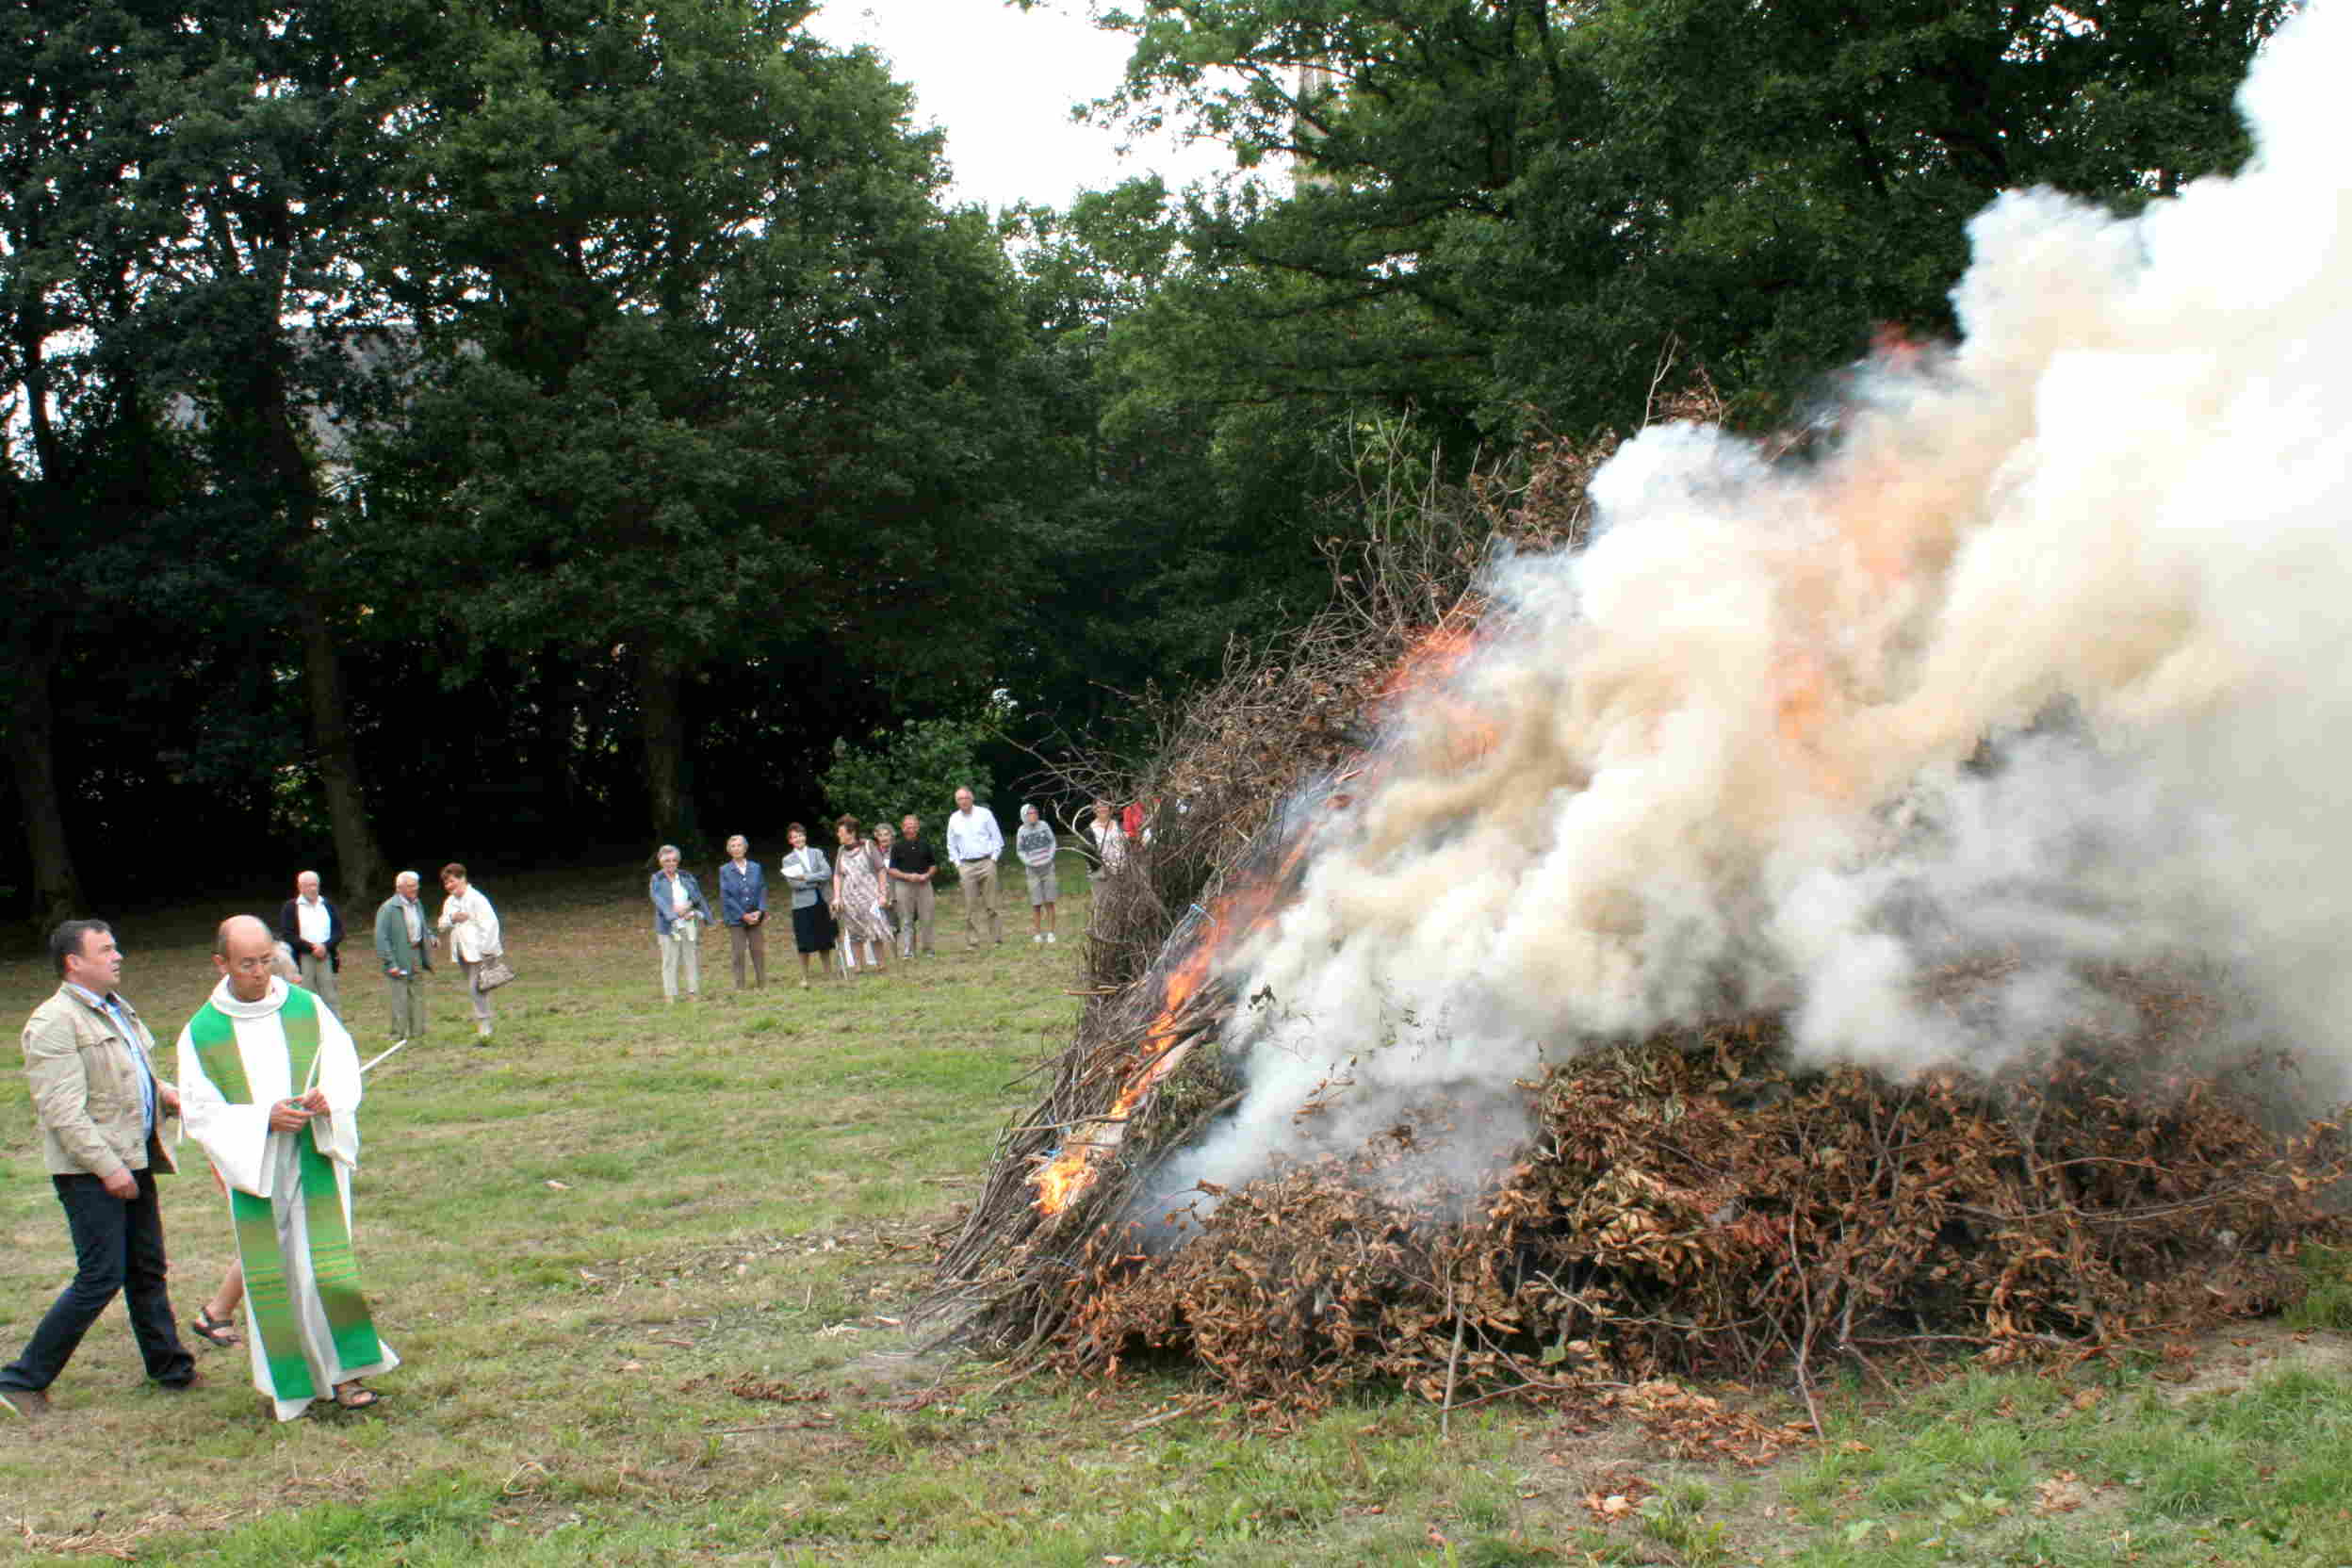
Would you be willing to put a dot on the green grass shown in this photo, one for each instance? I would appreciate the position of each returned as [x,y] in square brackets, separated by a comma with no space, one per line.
[749,1189]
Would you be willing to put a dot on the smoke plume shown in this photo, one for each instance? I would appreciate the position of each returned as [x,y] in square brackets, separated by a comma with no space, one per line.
[2046,658]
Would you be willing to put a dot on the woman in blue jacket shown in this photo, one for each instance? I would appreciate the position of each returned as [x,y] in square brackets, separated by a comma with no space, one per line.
[743,911]
[679,913]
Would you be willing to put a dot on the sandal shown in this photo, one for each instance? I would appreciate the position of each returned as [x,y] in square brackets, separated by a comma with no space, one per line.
[355,1395]
[215,1330]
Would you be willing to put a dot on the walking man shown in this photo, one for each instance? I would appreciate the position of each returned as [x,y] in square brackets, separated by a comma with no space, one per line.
[973,843]
[103,1112]
[274,1092]
[314,929]
[404,947]
[912,866]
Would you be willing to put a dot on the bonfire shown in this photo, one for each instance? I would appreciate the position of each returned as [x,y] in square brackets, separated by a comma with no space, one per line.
[1704,1198]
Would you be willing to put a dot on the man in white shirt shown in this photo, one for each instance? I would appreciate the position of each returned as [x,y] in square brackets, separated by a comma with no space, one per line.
[314,929]
[404,947]
[973,843]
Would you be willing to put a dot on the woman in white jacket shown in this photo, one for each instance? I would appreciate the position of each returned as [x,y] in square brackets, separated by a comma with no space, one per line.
[472,927]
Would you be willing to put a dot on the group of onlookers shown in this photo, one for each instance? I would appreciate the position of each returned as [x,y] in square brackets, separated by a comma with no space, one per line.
[310,935]
[873,893]
[277,1130]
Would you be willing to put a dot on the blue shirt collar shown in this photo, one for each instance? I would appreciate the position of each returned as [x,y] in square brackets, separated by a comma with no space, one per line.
[104,1003]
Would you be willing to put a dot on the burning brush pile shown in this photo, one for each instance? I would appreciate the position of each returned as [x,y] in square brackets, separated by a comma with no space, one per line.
[1693,1203]
[1889,894]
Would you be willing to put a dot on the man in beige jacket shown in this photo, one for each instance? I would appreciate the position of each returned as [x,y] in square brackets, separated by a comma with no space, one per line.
[103,1115]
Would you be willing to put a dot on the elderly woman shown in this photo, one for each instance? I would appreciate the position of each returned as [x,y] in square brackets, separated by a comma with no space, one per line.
[679,914]
[1110,839]
[858,897]
[809,875]
[743,911]
[474,936]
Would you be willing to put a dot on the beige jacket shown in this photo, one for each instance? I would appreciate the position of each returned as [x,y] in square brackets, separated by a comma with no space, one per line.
[86,1092]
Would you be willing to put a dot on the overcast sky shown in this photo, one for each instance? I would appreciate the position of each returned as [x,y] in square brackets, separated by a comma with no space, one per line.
[1000,81]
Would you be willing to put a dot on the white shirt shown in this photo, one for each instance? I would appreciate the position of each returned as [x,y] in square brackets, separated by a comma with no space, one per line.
[310,920]
[415,914]
[972,835]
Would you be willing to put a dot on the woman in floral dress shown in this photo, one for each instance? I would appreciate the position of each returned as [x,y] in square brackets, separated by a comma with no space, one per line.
[858,897]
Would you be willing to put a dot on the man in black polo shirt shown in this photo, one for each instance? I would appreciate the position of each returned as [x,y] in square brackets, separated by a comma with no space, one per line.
[911,865]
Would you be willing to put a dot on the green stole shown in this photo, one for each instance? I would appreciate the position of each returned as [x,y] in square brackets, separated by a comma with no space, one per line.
[268,1299]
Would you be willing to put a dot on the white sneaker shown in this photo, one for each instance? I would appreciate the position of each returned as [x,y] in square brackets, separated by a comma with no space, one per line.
[1049,938]
[1034,939]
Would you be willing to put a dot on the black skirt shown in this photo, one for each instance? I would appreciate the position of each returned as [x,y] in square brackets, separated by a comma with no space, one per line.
[813,928]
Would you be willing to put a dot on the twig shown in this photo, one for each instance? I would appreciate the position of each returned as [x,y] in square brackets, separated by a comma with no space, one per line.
[1021,1377]
[1453,1360]
[1805,1346]
[1151,1421]
[763,1426]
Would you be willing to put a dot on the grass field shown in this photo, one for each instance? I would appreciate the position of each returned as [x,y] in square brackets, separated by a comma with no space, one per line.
[647,1266]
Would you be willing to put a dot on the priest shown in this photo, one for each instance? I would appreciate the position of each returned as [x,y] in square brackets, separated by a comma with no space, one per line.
[269,1087]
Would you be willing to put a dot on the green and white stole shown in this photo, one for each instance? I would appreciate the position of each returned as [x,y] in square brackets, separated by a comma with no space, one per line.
[268,1299]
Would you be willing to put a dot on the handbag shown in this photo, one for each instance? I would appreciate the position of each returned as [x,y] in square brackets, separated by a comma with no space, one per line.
[493,972]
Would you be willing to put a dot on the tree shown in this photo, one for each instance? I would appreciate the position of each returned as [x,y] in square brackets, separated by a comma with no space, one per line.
[181,184]
[1155,529]
[707,371]
[1512,205]
[915,767]
[123,562]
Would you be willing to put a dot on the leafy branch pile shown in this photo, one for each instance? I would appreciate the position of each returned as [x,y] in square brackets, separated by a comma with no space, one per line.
[1218,775]
[1688,1206]
[1684,1206]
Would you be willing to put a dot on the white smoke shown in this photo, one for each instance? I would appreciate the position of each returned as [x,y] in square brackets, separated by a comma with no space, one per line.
[2051,660]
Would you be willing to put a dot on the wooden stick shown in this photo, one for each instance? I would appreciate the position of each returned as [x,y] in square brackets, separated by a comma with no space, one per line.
[1453,1359]
[1021,1377]
[763,1426]
[1151,1421]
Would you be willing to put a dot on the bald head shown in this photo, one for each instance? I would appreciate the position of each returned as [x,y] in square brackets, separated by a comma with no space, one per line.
[243,949]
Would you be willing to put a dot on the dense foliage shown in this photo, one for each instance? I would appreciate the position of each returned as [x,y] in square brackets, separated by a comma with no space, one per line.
[494,430]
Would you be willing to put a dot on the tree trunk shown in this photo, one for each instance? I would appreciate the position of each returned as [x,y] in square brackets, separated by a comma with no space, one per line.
[556,731]
[360,867]
[661,725]
[33,760]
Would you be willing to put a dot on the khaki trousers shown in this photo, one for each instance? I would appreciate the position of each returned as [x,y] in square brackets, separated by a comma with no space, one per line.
[979,877]
[475,996]
[677,955]
[913,902]
[318,975]
[407,993]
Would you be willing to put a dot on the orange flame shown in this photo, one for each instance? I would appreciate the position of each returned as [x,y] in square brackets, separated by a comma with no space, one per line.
[1066,1177]
[1073,1170]
[1436,654]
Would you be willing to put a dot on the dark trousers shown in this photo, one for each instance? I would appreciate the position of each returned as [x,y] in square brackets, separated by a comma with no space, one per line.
[116,1247]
